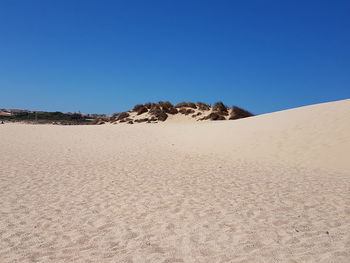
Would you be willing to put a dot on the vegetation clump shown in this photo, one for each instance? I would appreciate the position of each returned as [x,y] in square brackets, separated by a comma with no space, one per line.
[149,105]
[158,113]
[161,110]
[155,108]
[186,104]
[220,108]
[238,113]
[214,116]
[202,106]
[173,111]
[186,111]
[113,117]
[161,116]
[196,115]
[142,120]
[167,107]
[165,104]
[125,120]
[122,115]
[139,108]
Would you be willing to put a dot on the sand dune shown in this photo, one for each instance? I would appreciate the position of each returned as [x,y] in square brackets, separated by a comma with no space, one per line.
[313,136]
[270,188]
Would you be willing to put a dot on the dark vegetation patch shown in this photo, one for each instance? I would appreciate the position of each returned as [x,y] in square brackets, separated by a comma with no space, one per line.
[122,115]
[186,111]
[214,116]
[165,104]
[149,105]
[142,120]
[158,110]
[139,108]
[239,113]
[155,108]
[173,111]
[203,106]
[161,116]
[113,117]
[186,104]
[125,120]
[158,113]
[167,107]
[196,115]
[220,108]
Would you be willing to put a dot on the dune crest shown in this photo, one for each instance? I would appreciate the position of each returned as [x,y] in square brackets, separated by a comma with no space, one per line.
[184,111]
[312,136]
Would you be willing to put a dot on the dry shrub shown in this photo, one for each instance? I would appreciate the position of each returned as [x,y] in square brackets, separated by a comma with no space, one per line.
[125,120]
[142,120]
[186,104]
[122,115]
[158,113]
[130,122]
[172,111]
[238,113]
[114,117]
[167,107]
[139,108]
[196,115]
[203,106]
[142,110]
[182,110]
[155,108]
[165,104]
[214,116]
[149,105]
[186,111]
[161,116]
[189,111]
[220,108]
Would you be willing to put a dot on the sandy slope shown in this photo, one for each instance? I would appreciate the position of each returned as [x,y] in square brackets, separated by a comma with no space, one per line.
[313,136]
[272,188]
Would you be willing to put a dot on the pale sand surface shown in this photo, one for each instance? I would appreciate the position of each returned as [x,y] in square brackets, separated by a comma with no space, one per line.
[272,188]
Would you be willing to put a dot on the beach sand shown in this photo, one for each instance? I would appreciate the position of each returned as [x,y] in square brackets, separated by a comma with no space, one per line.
[270,188]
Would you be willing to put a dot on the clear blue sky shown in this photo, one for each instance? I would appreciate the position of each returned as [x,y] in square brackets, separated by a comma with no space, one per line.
[106,56]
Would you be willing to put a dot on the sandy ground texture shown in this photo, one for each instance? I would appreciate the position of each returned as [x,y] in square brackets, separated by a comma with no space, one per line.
[271,188]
